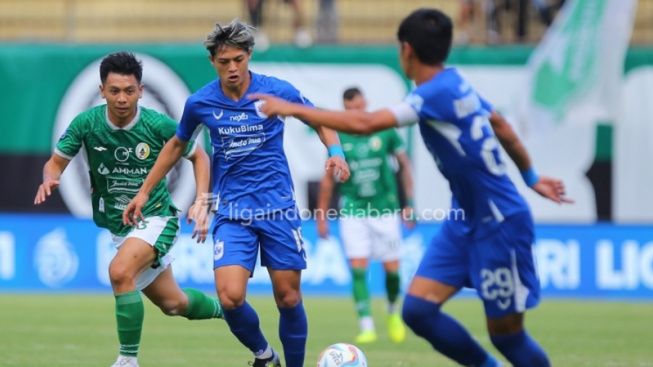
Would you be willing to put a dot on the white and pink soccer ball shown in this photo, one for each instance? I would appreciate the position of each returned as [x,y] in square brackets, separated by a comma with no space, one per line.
[341,355]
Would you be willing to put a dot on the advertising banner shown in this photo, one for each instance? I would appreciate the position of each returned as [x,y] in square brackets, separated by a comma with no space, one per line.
[50,253]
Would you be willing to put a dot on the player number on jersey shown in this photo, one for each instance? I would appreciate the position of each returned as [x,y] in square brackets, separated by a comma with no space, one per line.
[497,284]
[481,129]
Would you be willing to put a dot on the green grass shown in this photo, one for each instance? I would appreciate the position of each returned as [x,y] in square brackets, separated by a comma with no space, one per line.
[78,330]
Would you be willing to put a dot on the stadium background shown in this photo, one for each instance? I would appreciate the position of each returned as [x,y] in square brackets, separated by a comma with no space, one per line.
[600,247]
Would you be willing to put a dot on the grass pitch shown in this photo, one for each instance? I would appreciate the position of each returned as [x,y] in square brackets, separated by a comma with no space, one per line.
[79,330]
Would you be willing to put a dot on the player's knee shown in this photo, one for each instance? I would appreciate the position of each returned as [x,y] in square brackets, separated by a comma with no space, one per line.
[172,307]
[120,274]
[230,301]
[415,310]
[288,299]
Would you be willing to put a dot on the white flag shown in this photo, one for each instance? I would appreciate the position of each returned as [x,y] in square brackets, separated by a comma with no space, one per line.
[576,70]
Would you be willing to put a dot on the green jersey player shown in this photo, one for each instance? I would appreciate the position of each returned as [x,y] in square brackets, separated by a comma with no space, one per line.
[121,141]
[370,223]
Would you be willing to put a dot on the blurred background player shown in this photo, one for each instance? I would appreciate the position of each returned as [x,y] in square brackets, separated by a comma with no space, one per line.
[302,37]
[370,222]
[121,141]
[486,242]
[254,192]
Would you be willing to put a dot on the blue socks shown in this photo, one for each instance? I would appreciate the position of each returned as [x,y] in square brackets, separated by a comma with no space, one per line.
[293,331]
[521,350]
[444,333]
[244,324]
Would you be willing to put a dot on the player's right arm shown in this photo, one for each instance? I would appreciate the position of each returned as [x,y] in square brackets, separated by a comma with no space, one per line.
[52,171]
[348,121]
[324,195]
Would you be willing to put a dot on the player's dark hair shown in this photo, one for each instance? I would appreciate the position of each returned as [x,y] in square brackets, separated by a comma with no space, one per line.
[236,34]
[351,93]
[123,63]
[429,32]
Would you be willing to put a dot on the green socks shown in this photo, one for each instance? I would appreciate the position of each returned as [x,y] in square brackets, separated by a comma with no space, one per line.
[392,286]
[129,316]
[361,292]
[201,306]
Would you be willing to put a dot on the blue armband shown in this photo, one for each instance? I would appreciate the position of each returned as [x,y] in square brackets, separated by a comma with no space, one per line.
[530,177]
[336,150]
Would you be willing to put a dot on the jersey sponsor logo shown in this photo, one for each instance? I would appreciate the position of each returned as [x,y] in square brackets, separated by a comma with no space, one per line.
[123,185]
[122,153]
[218,116]
[142,151]
[257,108]
[130,171]
[100,149]
[121,202]
[241,117]
[239,129]
[238,146]
[102,169]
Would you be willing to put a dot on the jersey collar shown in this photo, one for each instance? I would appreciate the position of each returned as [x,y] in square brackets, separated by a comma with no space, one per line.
[131,123]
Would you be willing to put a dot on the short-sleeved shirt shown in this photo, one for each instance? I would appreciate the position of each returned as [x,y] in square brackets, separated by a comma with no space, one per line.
[372,187]
[454,124]
[119,160]
[250,169]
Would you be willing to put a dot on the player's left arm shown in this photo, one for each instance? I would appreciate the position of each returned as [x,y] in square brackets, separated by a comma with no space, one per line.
[406,177]
[336,161]
[348,121]
[549,187]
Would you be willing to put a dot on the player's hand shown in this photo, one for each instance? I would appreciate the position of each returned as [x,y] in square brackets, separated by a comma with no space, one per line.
[199,213]
[340,168]
[322,228]
[133,211]
[273,105]
[408,217]
[45,190]
[552,188]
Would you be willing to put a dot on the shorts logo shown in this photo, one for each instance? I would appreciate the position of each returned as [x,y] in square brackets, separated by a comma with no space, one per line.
[218,250]
[142,151]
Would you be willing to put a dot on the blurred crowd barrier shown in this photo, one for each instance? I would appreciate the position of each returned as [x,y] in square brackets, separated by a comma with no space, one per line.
[355,21]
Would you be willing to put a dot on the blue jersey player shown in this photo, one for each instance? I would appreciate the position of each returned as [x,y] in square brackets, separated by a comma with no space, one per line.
[488,247]
[253,191]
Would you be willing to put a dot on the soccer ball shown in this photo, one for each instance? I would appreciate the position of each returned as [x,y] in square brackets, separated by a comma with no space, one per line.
[341,355]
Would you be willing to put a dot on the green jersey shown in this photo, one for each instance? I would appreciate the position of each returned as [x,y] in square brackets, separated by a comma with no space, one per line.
[372,185]
[119,160]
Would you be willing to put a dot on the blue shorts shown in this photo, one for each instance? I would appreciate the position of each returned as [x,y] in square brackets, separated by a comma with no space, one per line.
[279,236]
[500,266]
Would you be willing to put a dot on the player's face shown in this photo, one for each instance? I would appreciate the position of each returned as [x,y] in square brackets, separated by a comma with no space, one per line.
[122,93]
[232,65]
[356,103]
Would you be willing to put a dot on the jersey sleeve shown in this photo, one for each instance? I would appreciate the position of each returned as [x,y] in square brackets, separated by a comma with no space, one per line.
[190,124]
[396,143]
[485,105]
[71,140]
[168,130]
[290,93]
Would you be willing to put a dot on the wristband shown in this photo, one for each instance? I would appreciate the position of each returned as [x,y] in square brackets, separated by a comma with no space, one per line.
[530,177]
[336,150]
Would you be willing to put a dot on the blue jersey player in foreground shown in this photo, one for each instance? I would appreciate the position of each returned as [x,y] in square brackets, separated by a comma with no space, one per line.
[488,247]
[253,191]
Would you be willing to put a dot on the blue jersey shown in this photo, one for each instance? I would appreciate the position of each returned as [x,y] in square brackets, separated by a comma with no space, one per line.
[454,124]
[250,170]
